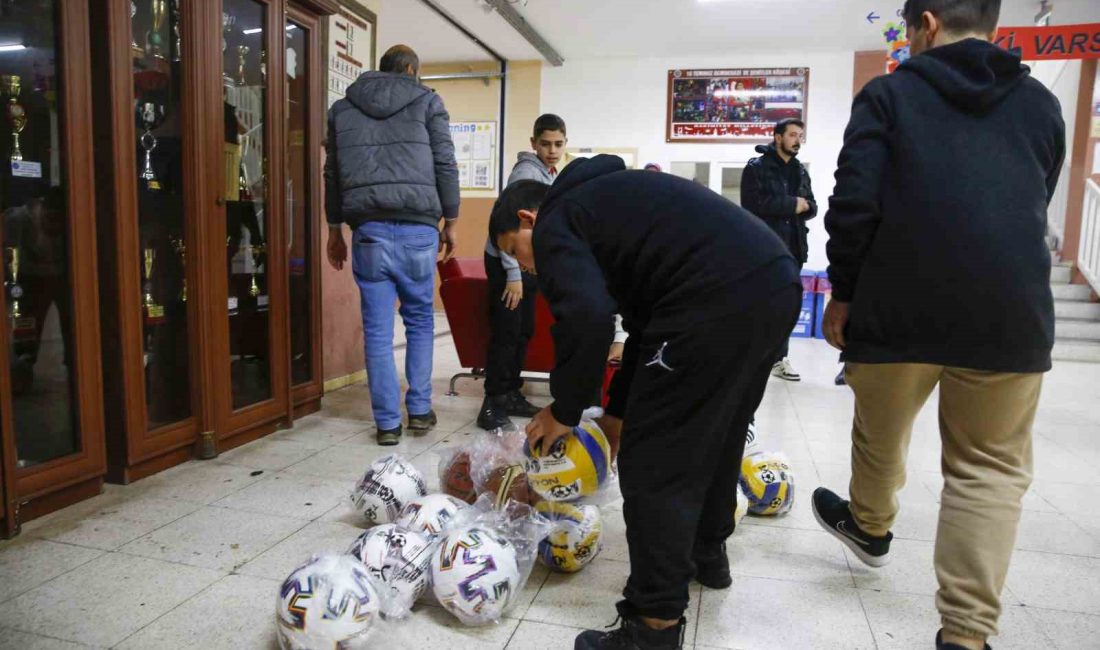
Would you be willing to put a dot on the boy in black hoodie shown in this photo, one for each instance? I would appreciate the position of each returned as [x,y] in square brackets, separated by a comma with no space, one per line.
[707,294]
[941,275]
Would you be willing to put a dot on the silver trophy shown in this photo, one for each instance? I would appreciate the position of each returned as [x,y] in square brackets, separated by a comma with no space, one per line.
[150,116]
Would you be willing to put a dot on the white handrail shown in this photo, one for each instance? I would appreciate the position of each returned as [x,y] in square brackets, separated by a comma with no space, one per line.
[1088,251]
[1056,211]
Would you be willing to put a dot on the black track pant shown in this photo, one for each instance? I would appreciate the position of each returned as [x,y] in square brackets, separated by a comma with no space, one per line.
[683,439]
[510,331]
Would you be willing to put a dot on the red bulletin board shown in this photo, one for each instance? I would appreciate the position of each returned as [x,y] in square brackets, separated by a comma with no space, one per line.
[733,104]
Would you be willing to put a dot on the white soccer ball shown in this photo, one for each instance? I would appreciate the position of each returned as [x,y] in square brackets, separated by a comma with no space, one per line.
[390,483]
[475,574]
[327,602]
[429,514]
[397,558]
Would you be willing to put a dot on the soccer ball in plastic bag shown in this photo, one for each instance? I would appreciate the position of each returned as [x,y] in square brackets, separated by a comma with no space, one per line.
[475,574]
[575,539]
[767,483]
[575,466]
[429,514]
[325,603]
[397,558]
[389,484]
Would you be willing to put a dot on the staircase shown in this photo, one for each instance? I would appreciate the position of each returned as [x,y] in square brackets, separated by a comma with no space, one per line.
[1077,318]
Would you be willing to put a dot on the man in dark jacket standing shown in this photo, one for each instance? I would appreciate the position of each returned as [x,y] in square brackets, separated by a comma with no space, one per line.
[391,176]
[707,293]
[941,275]
[776,187]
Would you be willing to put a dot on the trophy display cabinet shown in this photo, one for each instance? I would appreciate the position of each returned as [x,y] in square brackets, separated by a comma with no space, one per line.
[209,124]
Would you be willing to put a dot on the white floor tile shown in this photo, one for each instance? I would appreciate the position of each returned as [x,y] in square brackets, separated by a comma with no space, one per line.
[910,570]
[789,554]
[27,562]
[1050,581]
[434,627]
[542,636]
[277,562]
[763,613]
[290,495]
[16,640]
[116,522]
[1067,630]
[199,481]
[269,453]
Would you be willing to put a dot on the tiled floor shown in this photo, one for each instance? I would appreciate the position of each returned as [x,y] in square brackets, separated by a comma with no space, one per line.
[193,557]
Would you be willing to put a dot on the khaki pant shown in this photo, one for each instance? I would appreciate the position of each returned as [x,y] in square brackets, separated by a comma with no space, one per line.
[985,426]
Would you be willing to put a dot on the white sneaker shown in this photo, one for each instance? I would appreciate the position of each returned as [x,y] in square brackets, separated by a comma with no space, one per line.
[784,370]
[750,439]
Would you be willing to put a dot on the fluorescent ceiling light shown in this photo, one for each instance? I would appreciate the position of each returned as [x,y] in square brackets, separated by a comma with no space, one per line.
[12,47]
[256,30]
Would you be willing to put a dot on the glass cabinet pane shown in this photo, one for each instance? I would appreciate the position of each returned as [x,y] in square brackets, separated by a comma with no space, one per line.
[299,202]
[244,83]
[163,246]
[36,234]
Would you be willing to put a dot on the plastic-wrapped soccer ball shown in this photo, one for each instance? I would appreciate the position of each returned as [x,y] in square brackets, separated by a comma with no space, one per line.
[397,558]
[475,574]
[325,603]
[390,483]
[575,540]
[429,514]
[574,467]
[768,483]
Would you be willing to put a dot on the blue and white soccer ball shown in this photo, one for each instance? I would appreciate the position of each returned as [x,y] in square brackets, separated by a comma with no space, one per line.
[475,574]
[396,558]
[389,484]
[429,514]
[327,602]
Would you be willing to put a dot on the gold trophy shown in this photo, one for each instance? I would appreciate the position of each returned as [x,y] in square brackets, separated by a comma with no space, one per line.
[153,39]
[242,52]
[137,50]
[16,290]
[17,115]
[180,247]
[257,251]
[153,311]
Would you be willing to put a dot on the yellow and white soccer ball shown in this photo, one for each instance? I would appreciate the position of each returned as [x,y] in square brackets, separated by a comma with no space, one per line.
[575,466]
[389,484]
[429,514]
[767,483]
[397,558]
[575,539]
[475,574]
[327,602]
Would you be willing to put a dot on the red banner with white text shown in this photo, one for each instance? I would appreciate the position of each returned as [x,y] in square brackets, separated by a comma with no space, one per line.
[1056,42]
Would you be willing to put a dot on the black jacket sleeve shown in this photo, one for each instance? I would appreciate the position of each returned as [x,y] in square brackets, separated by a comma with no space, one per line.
[854,209]
[584,315]
[619,391]
[443,151]
[333,211]
[806,191]
[756,199]
[1059,158]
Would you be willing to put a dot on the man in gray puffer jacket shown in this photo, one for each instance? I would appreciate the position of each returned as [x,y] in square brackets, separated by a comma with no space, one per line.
[391,176]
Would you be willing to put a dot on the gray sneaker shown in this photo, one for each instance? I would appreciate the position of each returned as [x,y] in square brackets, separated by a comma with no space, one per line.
[422,423]
[389,437]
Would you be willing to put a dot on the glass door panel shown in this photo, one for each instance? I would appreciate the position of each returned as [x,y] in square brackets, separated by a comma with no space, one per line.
[299,202]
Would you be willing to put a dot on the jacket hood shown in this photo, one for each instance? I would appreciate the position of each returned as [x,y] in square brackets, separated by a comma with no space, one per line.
[972,74]
[383,94]
[769,151]
[580,172]
[526,158]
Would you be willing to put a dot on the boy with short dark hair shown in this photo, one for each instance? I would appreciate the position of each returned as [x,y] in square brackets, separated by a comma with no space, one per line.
[707,293]
[512,292]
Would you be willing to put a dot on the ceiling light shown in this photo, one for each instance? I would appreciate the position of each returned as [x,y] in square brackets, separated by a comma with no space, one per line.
[12,47]
[256,30]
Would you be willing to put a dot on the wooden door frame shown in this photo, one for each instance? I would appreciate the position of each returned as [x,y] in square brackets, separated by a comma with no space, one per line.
[310,391]
[89,463]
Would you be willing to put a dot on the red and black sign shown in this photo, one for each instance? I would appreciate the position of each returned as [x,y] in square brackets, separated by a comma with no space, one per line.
[1057,42]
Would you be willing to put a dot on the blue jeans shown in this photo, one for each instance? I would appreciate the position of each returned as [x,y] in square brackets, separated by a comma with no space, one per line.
[396,261]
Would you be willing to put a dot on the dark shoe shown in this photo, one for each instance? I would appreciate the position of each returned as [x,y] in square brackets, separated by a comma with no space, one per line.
[940,645]
[494,413]
[840,380]
[389,437]
[422,423]
[633,634]
[712,567]
[519,407]
[833,514]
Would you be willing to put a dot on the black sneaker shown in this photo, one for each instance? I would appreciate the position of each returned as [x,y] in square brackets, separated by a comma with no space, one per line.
[389,437]
[940,645]
[834,516]
[519,407]
[494,413]
[712,567]
[422,423]
[633,634]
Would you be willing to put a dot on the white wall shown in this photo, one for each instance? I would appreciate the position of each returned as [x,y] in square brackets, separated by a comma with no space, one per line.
[621,103]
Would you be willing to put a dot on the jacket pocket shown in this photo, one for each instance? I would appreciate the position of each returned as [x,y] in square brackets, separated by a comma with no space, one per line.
[420,254]
[370,260]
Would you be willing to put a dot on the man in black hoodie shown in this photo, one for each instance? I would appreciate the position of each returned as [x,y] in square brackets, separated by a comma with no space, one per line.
[776,187]
[707,294]
[940,275]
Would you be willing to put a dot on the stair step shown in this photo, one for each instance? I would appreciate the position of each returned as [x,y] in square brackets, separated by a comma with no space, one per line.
[1077,310]
[1060,273]
[1077,329]
[1072,292]
[1068,350]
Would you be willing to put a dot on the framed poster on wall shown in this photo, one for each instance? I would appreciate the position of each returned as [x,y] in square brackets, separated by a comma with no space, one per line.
[350,39]
[475,151]
[733,105]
